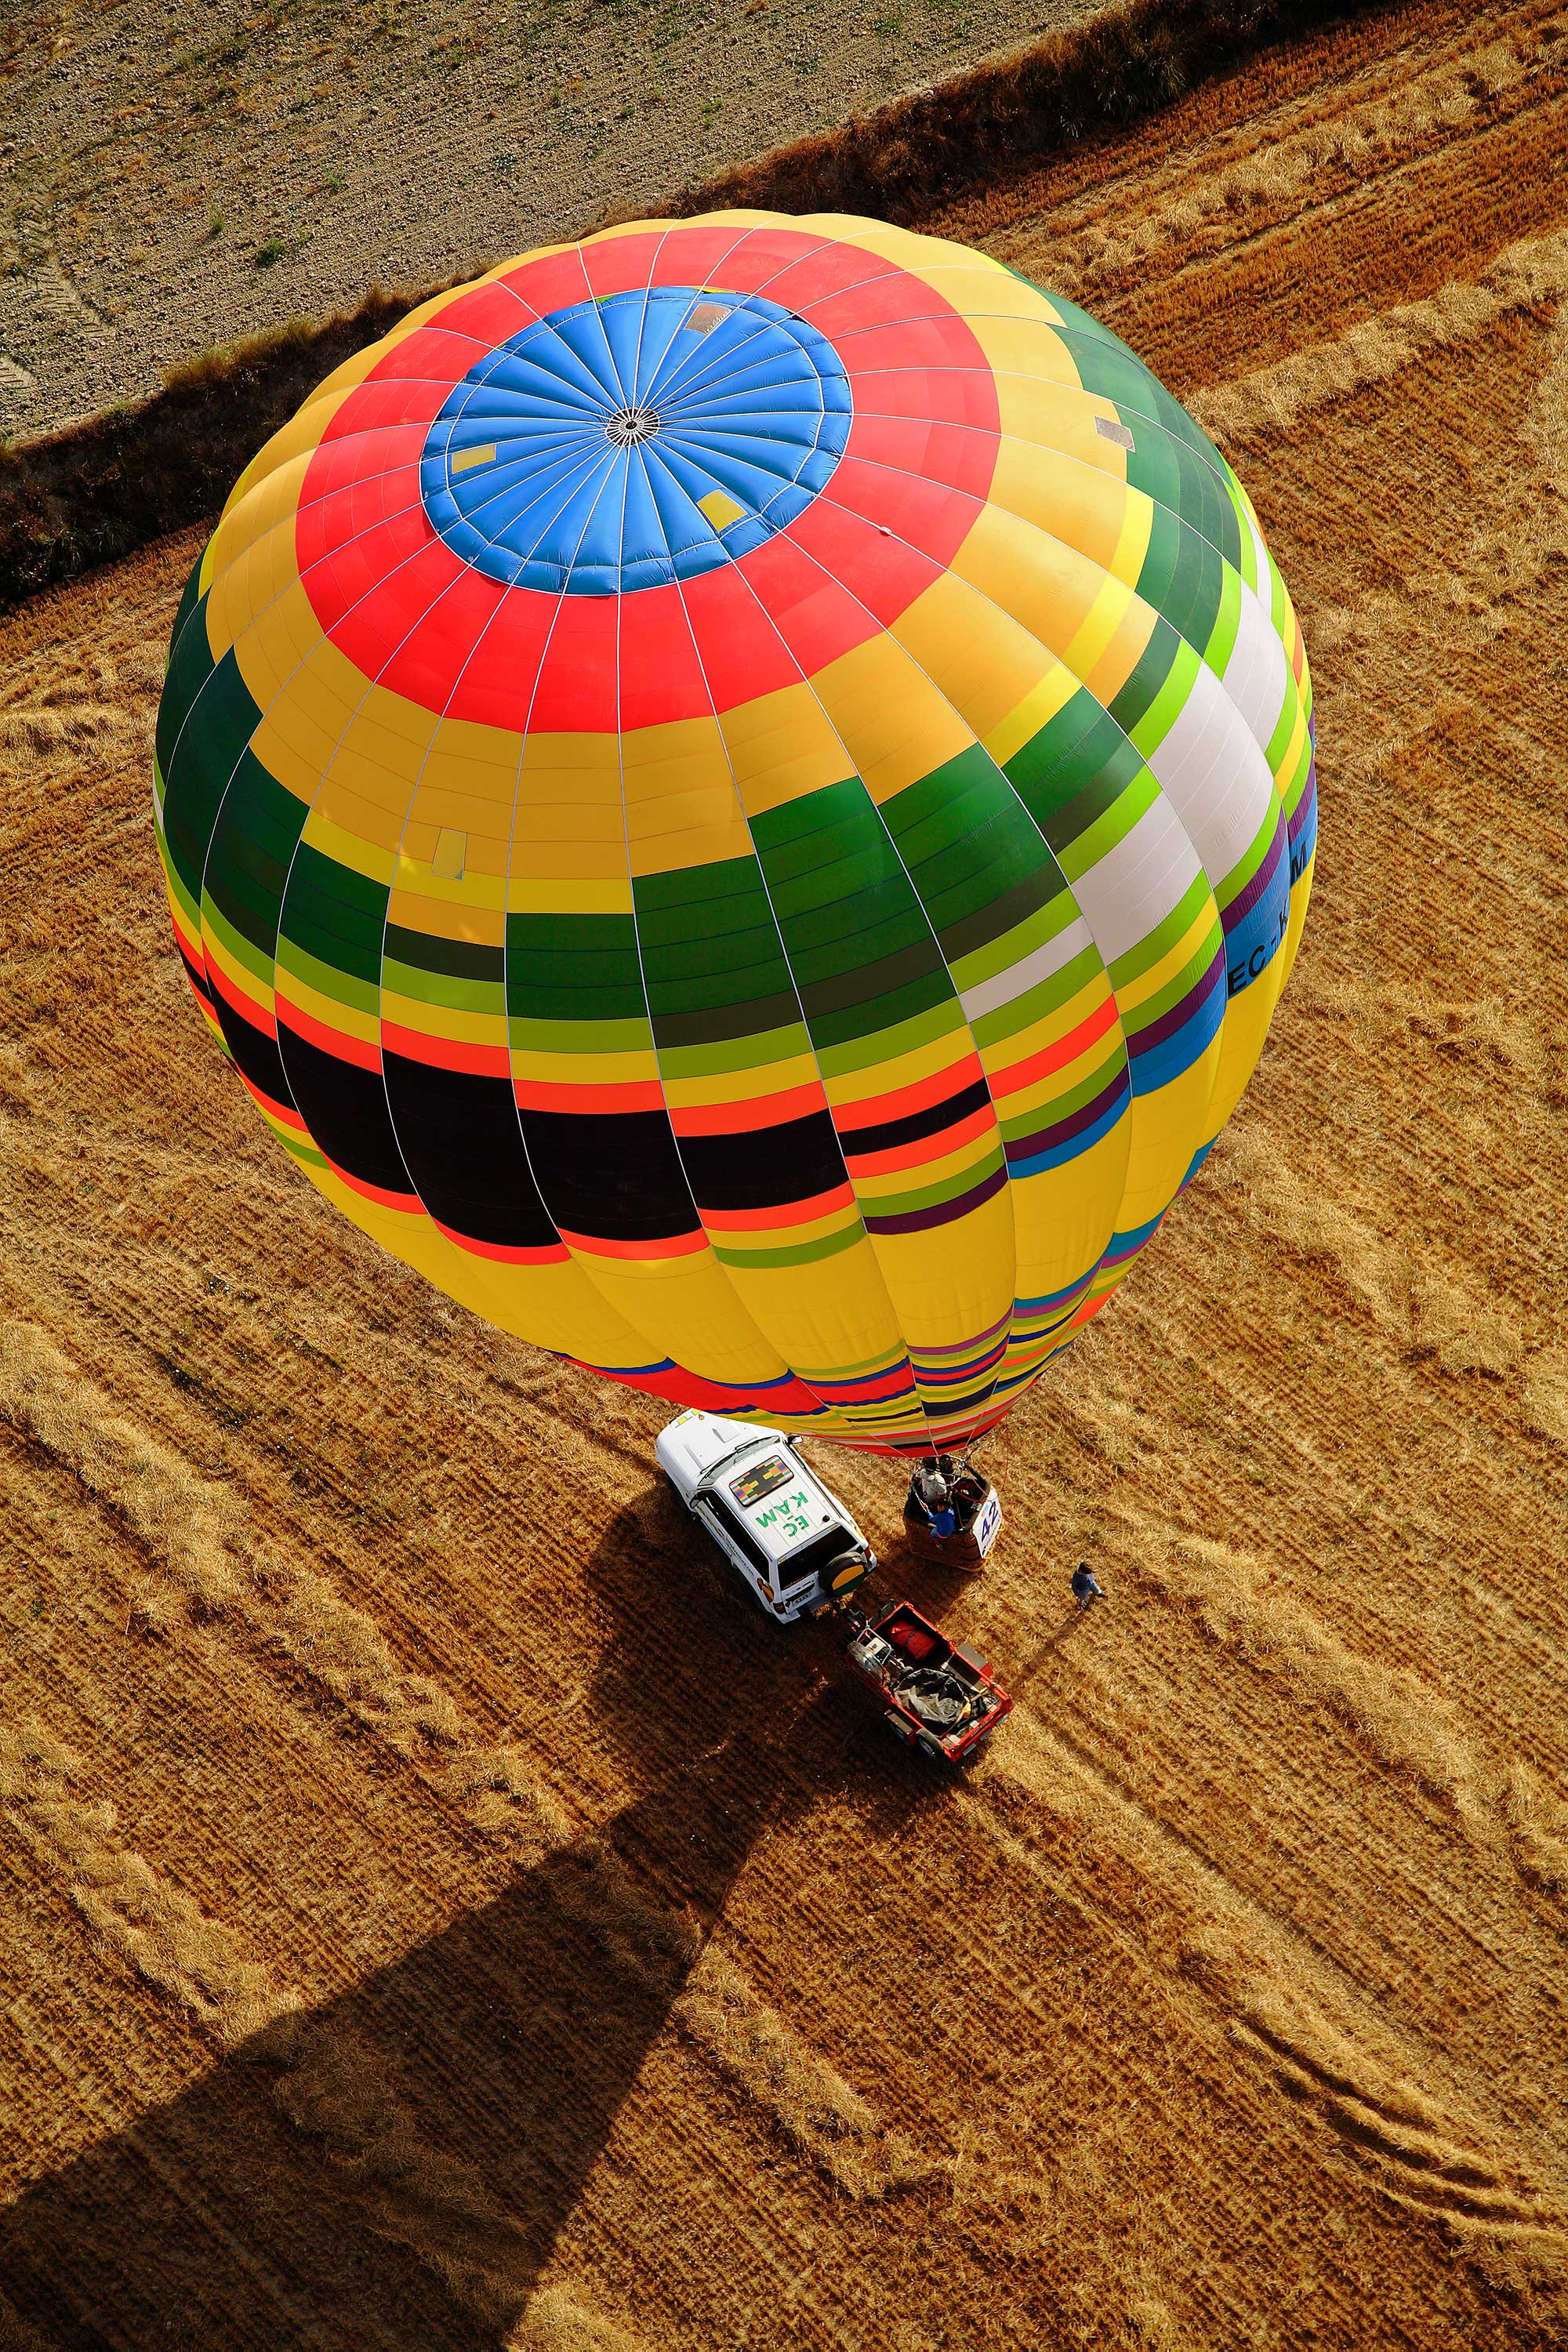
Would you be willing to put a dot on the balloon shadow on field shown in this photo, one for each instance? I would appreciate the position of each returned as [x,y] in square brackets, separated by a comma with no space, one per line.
[390,2172]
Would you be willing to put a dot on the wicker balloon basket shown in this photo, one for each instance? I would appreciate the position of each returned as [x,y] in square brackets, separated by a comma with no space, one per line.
[979,1514]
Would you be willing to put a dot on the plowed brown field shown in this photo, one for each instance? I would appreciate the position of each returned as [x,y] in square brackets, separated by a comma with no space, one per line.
[437,1914]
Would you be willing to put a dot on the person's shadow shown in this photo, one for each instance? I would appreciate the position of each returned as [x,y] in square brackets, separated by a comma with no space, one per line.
[1060,1633]
[389,2173]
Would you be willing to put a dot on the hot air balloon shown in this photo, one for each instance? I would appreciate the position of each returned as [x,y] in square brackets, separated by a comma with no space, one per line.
[740,794]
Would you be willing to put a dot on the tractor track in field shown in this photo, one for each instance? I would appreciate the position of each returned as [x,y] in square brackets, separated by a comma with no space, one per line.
[431,1915]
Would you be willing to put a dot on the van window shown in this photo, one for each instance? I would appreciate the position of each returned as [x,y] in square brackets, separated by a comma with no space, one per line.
[737,1531]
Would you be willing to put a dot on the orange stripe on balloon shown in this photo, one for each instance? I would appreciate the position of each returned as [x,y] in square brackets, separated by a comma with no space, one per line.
[238,1001]
[280,1114]
[639,1094]
[330,1041]
[552,1252]
[929,1146]
[876,1111]
[192,946]
[1055,1058]
[667,1246]
[409,1204]
[744,1117]
[789,1213]
[446,1052]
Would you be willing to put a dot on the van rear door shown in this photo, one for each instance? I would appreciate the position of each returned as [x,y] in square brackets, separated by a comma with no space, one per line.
[815,1558]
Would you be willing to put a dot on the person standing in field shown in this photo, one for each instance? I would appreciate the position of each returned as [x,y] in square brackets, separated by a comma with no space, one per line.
[1085,1585]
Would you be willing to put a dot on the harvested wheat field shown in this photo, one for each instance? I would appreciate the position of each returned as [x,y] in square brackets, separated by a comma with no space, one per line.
[439,1915]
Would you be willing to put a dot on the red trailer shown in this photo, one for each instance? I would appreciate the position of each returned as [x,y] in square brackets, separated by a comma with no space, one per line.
[937,1696]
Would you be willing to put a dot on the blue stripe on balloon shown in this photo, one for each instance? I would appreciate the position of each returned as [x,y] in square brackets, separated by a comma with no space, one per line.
[1058,1155]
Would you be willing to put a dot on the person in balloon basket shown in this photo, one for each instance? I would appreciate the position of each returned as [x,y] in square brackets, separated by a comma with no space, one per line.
[1087,1587]
[936,1501]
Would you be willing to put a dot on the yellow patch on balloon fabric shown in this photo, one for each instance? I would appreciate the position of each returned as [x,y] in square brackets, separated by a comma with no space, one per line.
[446,866]
[721,510]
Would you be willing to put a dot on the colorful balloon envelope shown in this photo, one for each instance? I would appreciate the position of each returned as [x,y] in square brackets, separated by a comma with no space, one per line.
[740,795]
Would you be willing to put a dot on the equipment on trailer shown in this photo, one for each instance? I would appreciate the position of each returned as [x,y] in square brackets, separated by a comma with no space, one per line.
[791,1539]
[952,1514]
[941,1698]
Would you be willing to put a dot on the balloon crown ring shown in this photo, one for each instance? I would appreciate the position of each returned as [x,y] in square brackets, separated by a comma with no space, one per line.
[635,440]
[629,426]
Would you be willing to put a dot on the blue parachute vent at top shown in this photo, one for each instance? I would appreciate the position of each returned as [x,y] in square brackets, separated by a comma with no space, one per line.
[636,441]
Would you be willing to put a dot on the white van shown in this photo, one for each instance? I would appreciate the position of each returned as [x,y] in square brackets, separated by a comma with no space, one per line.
[793,1541]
